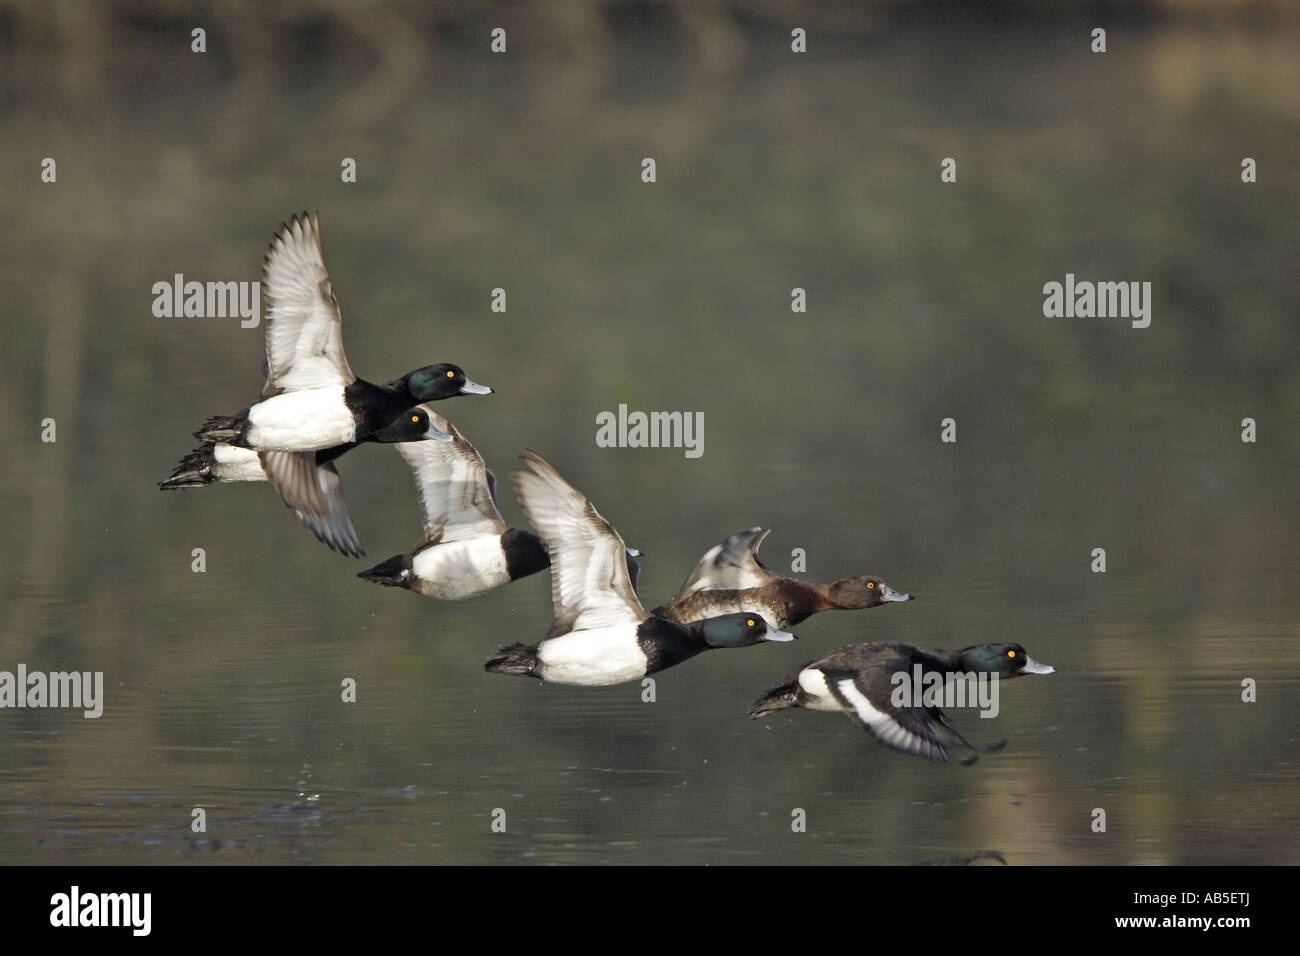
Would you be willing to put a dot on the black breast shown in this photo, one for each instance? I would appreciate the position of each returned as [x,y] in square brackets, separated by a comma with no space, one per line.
[374,406]
[326,455]
[666,643]
[525,553]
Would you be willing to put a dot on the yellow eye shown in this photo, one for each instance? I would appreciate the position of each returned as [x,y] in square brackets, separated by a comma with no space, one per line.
[415,418]
[1011,653]
[451,374]
[871,585]
[749,623]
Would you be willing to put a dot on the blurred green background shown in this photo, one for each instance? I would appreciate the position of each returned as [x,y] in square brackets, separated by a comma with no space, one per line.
[775,171]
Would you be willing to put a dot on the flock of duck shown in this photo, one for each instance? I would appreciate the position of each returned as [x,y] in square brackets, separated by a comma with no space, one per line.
[313,410]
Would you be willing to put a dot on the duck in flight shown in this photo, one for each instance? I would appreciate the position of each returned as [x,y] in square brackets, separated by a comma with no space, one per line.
[327,514]
[730,578]
[601,633]
[862,681]
[467,548]
[312,401]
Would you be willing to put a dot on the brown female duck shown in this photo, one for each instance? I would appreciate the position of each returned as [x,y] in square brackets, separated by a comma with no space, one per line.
[730,578]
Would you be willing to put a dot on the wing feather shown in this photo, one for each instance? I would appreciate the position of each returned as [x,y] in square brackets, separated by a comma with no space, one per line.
[732,565]
[454,486]
[910,730]
[590,584]
[304,328]
[315,494]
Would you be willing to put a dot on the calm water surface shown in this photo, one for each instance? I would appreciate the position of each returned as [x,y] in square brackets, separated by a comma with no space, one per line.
[223,688]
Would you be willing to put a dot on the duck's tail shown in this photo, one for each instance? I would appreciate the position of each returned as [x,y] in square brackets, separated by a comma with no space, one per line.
[194,470]
[778,698]
[393,573]
[227,428]
[518,659]
[215,462]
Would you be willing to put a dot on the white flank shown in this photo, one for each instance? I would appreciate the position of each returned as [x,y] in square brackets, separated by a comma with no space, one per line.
[460,569]
[301,421]
[814,685]
[609,655]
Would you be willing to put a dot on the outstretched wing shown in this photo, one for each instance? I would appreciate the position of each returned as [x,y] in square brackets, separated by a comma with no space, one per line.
[922,731]
[454,485]
[315,493]
[730,566]
[304,329]
[590,585]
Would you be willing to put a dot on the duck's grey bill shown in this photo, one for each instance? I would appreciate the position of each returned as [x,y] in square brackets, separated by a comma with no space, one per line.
[774,635]
[635,552]
[474,388]
[437,434]
[1033,667]
[892,595]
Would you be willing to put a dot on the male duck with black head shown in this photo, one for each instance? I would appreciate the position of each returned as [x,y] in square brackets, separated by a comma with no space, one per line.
[315,484]
[467,548]
[602,634]
[731,578]
[862,681]
[312,400]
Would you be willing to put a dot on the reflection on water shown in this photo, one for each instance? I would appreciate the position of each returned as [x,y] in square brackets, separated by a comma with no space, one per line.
[773,173]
